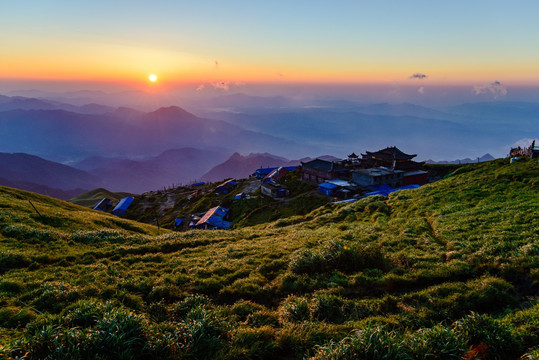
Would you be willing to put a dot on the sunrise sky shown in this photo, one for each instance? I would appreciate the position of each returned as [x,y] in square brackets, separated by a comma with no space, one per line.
[452,42]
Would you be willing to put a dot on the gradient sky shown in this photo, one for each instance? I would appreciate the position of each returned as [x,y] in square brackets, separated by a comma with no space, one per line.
[453,42]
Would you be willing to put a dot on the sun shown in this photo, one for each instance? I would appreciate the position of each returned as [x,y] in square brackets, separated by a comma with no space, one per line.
[152,78]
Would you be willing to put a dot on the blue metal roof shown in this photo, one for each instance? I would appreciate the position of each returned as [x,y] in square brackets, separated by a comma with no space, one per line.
[328,186]
[214,218]
[264,171]
[124,203]
[199,183]
[178,222]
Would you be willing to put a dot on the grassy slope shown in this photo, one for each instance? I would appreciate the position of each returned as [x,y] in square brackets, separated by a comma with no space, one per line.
[175,203]
[406,271]
[90,198]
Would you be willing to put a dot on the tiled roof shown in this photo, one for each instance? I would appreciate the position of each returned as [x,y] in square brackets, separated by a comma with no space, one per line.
[390,153]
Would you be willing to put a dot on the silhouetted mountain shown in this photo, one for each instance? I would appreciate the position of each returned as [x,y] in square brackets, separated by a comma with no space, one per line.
[243,101]
[42,189]
[27,172]
[427,132]
[177,166]
[486,157]
[23,103]
[514,113]
[62,135]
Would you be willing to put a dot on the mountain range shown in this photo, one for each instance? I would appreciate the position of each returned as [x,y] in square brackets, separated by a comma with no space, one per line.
[486,157]
[124,149]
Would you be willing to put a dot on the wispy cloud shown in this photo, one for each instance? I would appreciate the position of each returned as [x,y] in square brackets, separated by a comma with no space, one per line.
[200,87]
[495,88]
[421,90]
[418,76]
[222,85]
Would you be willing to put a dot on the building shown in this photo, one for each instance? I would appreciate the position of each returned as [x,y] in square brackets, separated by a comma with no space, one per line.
[274,190]
[378,176]
[226,187]
[417,177]
[318,171]
[122,206]
[327,188]
[263,172]
[239,196]
[532,151]
[337,187]
[277,175]
[391,158]
[214,219]
[103,204]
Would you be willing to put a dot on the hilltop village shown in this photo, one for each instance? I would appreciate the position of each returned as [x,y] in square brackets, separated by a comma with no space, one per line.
[312,183]
[272,193]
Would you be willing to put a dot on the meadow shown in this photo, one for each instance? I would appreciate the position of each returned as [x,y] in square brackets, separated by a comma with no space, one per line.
[447,271]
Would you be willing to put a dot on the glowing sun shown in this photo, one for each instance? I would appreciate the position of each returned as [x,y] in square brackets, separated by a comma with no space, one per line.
[152,78]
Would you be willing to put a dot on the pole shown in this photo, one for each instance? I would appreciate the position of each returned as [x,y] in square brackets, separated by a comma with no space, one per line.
[35,209]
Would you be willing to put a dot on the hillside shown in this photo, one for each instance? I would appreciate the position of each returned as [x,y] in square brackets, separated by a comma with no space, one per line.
[447,271]
[174,166]
[182,202]
[71,136]
[90,198]
[25,168]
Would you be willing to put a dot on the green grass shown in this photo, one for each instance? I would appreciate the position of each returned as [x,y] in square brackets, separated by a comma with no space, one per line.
[90,198]
[447,271]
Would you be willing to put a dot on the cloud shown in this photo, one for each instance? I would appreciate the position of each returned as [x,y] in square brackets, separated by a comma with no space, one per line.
[418,76]
[280,74]
[200,87]
[495,88]
[523,143]
[222,85]
[421,90]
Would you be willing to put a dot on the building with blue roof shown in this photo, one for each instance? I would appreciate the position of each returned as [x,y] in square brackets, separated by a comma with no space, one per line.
[226,187]
[122,206]
[103,205]
[263,172]
[327,188]
[214,219]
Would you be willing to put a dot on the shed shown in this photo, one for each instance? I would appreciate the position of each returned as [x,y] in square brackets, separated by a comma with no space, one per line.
[226,187]
[122,206]
[103,204]
[276,175]
[274,190]
[263,172]
[327,188]
[214,219]
[239,196]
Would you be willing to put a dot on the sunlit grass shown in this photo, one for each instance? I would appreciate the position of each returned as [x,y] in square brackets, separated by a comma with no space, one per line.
[449,269]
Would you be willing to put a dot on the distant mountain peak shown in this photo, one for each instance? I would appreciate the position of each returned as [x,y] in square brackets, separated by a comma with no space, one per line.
[171,111]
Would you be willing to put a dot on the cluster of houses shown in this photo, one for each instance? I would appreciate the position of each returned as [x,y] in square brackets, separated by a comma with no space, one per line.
[374,173]
[377,172]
